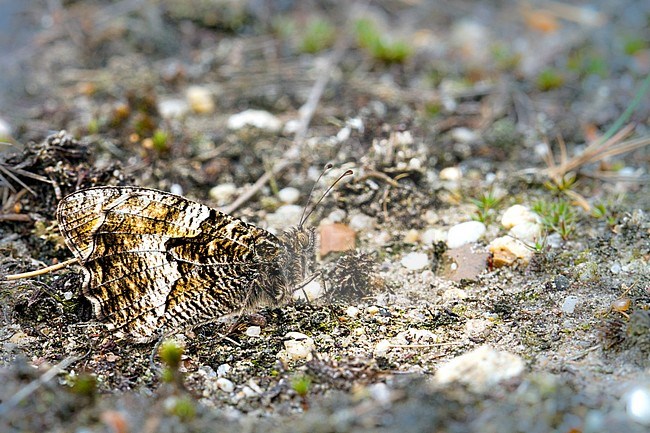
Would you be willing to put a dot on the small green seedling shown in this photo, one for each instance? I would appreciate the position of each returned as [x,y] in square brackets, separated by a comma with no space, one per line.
[486,206]
[171,353]
[319,35]
[557,216]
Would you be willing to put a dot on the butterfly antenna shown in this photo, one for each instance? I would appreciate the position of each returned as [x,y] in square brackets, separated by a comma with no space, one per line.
[328,166]
[304,218]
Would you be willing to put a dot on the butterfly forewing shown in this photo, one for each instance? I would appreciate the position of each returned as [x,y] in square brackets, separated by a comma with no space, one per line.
[156,261]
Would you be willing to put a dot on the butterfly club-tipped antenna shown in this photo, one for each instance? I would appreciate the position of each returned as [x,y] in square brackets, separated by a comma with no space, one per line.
[306,214]
[327,168]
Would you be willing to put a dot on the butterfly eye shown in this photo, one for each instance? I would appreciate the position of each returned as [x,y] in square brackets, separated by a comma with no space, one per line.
[303,239]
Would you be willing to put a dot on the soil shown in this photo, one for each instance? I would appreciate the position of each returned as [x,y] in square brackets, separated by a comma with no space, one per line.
[446,113]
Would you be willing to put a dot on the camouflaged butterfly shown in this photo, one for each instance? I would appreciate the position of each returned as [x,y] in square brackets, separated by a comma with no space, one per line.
[155,262]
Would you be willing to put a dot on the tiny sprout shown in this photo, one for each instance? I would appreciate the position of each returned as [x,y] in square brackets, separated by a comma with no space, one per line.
[485,206]
[378,45]
[550,79]
[319,35]
[160,140]
[301,385]
[599,211]
[557,216]
[565,183]
[182,407]
[85,385]
[170,353]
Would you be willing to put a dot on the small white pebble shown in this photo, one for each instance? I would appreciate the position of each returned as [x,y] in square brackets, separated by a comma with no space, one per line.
[175,188]
[223,369]
[68,295]
[433,236]
[173,108]
[352,311]
[253,331]
[206,371]
[415,261]
[343,134]
[291,126]
[506,250]
[5,129]
[412,236]
[516,215]
[223,193]
[355,123]
[380,393]
[414,164]
[361,222]
[451,174]
[289,195]
[615,268]
[454,294]
[285,216]
[382,348]
[637,404]
[465,233]
[476,327]
[569,304]
[256,118]
[464,135]
[313,290]
[372,310]
[249,392]
[299,348]
[337,215]
[200,100]
[225,385]
[403,138]
[526,231]
[481,368]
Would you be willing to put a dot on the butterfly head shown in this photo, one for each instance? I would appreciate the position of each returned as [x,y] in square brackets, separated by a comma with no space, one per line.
[299,245]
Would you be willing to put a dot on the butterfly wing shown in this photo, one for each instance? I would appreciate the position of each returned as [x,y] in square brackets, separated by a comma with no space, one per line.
[155,260]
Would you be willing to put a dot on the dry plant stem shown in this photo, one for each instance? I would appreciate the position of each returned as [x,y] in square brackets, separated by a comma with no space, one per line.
[250,192]
[596,151]
[15,217]
[42,271]
[35,384]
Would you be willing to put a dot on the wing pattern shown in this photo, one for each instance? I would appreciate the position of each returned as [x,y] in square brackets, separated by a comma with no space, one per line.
[156,261]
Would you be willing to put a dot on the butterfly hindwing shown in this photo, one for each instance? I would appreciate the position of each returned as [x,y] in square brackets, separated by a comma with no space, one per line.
[155,260]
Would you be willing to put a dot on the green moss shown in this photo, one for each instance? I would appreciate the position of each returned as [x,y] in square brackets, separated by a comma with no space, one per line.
[171,353]
[504,58]
[381,47]
[84,385]
[319,35]
[486,206]
[633,45]
[184,408]
[93,126]
[557,216]
[301,385]
[459,309]
[585,62]
[160,140]
[550,79]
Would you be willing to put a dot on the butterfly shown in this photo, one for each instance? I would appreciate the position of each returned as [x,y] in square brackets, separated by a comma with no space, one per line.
[155,262]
